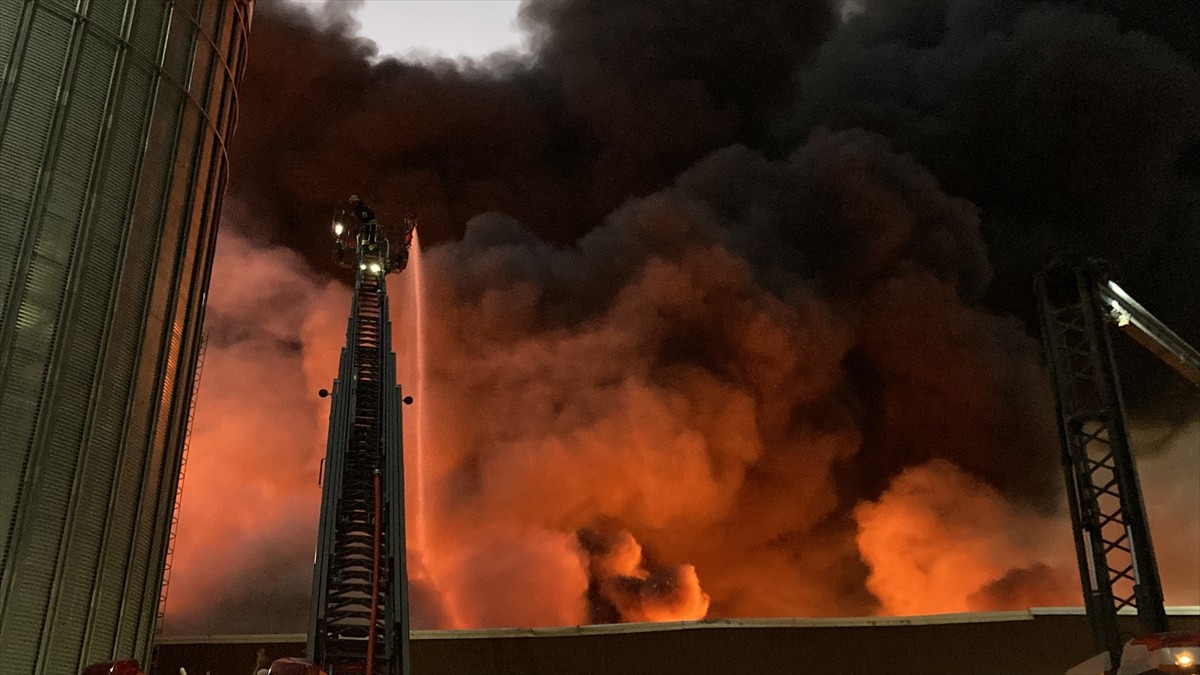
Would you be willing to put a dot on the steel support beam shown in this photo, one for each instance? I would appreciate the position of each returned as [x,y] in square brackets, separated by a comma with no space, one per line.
[1112,538]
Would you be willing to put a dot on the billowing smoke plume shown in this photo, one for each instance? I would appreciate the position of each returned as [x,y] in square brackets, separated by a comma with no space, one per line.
[751,337]
[622,97]
[1073,126]
[250,496]
[940,541]
[623,589]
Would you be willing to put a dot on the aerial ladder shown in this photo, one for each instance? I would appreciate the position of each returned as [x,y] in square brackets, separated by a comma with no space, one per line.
[359,619]
[1078,303]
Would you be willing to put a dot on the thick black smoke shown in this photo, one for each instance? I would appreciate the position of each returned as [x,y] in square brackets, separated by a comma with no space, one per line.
[621,97]
[1073,126]
[797,248]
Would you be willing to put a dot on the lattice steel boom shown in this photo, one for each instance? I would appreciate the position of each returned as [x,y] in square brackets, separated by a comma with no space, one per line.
[1112,537]
[359,620]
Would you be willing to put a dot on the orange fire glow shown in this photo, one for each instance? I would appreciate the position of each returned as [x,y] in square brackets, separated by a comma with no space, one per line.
[690,446]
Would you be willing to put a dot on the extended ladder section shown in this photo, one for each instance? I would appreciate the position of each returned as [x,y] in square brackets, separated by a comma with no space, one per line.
[1133,320]
[1112,537]
[359,614]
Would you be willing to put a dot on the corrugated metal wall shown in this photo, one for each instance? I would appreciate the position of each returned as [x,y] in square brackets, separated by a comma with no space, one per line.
[114,119]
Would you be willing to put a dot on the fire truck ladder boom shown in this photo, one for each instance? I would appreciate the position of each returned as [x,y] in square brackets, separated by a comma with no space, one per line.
[1133,320]
[1117,567]
[359,620]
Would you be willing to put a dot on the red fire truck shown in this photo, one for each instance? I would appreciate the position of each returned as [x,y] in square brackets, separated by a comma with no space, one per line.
[126,667]
[1159,653]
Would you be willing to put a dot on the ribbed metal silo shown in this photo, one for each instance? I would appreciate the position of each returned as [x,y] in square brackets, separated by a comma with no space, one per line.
[115,117]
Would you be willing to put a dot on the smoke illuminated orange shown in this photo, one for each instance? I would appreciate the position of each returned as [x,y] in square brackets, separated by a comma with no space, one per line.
[647,427]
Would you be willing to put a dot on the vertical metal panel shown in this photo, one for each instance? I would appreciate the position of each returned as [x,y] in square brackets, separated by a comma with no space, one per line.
[112,153]
[10,22]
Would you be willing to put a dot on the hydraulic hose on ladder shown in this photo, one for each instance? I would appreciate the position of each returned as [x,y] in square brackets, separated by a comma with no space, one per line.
[375,574]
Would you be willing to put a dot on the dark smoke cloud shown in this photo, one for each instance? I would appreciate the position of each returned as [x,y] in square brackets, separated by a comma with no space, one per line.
[699,402]
[1073,126]
[620,97]
[751,336]
[1038,585]
[682,405]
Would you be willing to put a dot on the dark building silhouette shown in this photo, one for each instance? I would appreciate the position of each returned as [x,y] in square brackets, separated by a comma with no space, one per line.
[1034,642]
[115,116]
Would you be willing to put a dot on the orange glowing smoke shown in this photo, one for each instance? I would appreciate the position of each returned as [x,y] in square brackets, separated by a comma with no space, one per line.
[638,594]
[250,493]
[1168,464]
[938,540]
[765,391]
